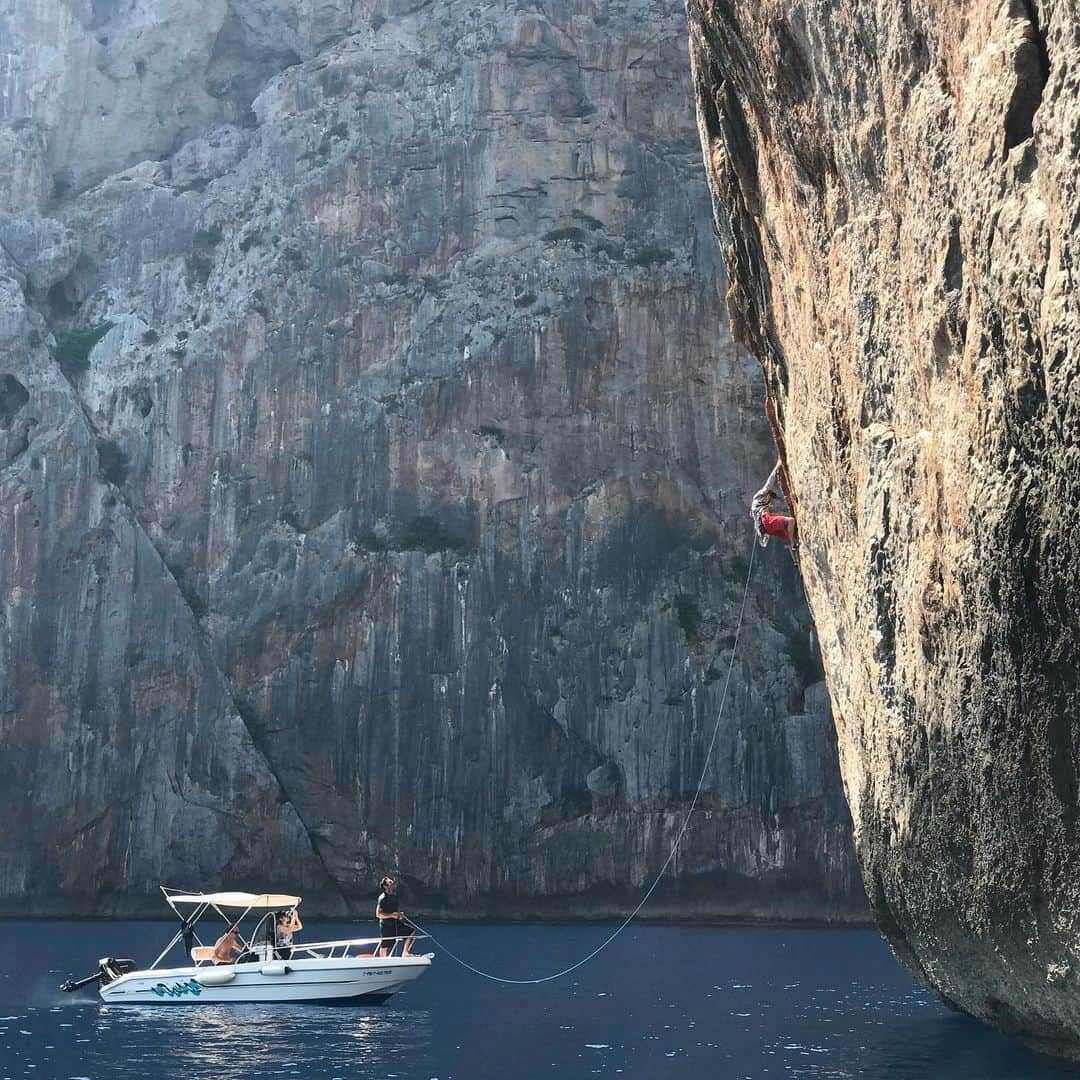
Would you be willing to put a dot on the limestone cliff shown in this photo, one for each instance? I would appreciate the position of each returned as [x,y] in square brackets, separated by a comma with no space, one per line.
[375,469]
[898,184]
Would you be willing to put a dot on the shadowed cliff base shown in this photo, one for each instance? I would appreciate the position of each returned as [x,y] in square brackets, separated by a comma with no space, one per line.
[896,188]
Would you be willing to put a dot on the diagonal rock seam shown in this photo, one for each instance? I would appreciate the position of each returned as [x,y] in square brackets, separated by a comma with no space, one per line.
[206,652]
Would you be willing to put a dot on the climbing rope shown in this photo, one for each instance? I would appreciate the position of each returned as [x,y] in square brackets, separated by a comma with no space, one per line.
[674,847]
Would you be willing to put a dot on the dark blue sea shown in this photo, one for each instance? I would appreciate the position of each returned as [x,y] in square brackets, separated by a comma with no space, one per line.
[717,1003]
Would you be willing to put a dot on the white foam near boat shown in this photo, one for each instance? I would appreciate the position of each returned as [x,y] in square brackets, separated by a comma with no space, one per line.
[320,972]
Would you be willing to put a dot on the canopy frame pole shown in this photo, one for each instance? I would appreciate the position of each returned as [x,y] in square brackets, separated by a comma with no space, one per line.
[203,902]
[236,922]
[164,952]
[185,925]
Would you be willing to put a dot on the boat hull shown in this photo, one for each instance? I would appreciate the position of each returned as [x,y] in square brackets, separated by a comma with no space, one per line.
[355,980]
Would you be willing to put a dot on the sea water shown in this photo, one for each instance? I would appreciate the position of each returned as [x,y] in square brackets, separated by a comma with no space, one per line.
[686,1002]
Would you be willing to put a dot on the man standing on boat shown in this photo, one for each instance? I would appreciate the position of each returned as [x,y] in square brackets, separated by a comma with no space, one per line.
[392,922]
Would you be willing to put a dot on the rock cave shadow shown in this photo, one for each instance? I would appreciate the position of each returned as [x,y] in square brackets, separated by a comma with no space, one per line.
[939,1047]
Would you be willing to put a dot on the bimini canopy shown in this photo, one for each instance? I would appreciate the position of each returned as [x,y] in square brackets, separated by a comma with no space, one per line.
[237,899]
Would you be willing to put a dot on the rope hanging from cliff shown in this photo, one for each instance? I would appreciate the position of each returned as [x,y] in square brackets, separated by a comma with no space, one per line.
[674,847]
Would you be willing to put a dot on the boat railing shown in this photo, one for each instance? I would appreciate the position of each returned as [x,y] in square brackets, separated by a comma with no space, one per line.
[316,950]
[328,950]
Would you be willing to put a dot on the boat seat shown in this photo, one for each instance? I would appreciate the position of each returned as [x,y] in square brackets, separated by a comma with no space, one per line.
[202,953]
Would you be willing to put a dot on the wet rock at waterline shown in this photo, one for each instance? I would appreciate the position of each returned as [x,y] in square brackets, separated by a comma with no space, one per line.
[899,194]
[374,467]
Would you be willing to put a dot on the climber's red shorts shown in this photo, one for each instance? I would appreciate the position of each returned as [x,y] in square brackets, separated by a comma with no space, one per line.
[773,525]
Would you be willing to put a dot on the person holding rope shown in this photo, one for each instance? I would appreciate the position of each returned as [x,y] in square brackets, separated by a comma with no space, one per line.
[392,921]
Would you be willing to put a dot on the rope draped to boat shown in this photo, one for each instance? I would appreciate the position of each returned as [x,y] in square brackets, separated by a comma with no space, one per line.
[674,847]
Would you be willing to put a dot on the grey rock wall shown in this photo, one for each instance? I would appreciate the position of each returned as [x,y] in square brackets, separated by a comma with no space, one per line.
[377,458]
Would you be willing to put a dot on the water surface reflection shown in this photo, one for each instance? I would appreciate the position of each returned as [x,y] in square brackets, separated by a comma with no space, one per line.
[237,1042]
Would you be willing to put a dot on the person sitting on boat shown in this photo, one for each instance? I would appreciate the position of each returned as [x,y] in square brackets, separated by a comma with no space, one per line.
[285,925]
[392,921]
[228,946]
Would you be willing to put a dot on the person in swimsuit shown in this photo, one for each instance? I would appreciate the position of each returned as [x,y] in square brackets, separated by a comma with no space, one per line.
[227,947]
[285,925]
[392,921]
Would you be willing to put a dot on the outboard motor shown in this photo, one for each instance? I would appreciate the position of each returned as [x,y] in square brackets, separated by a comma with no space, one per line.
[108,970]
[112,969]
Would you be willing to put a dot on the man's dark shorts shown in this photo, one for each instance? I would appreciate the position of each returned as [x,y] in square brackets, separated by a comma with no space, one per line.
[393,928]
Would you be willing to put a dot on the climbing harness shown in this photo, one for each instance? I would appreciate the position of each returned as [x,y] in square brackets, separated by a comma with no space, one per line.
[674,847]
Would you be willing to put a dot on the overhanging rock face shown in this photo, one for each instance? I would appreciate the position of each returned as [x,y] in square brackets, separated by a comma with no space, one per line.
[901,185]
[376,468]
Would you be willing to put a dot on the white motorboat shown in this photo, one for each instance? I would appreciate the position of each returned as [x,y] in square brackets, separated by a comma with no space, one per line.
[317,973]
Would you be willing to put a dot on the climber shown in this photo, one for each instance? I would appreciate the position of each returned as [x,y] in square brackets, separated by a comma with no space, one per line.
[768,524]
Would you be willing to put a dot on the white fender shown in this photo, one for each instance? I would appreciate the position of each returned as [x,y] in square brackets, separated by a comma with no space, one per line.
[274,967]
[215,977]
